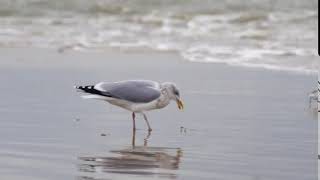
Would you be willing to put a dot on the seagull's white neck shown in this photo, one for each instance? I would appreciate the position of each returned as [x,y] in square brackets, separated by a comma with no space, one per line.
[164,99]
[167,90]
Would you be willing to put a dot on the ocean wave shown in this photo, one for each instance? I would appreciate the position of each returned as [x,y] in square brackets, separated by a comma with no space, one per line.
[304,60]
[254,34]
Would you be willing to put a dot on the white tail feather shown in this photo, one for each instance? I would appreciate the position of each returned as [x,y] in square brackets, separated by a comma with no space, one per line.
[94,97]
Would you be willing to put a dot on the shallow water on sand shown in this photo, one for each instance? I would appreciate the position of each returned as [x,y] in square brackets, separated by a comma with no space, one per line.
[248,125]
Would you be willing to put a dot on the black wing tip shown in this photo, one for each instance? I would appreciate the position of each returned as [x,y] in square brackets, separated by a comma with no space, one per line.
[85,88]
[91,90]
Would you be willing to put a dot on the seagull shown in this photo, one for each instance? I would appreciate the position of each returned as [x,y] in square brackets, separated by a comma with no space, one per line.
[314,95]
[137,96]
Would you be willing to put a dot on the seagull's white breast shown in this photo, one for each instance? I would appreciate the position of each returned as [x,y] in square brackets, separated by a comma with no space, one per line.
[158,103]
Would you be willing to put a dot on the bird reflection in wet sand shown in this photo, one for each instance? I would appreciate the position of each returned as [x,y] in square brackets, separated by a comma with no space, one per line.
[136,160]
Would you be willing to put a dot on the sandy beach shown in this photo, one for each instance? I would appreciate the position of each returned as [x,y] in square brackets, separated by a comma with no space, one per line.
[238,123]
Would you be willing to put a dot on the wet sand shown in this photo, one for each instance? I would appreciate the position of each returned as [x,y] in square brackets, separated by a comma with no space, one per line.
[239,123]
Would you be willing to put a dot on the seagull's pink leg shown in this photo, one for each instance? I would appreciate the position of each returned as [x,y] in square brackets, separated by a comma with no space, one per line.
[146,119]
[134,120]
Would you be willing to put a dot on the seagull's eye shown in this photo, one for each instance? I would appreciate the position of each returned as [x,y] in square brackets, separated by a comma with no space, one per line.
[176,93]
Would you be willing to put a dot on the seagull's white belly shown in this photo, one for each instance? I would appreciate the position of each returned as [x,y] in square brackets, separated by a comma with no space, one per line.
[139,107]
[121,103]
[156,104]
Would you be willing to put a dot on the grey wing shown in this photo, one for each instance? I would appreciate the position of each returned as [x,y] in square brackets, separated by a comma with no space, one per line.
[138,91]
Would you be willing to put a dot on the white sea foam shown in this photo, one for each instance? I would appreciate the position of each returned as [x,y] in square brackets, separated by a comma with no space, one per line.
[274,36]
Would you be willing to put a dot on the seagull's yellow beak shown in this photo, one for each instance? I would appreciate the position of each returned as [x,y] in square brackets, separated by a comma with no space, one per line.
[180,104]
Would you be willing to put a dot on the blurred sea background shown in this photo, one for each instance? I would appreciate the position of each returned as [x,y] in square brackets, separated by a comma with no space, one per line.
[272,34]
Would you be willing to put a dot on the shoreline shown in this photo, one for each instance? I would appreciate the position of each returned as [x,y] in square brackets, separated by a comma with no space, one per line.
[127,52]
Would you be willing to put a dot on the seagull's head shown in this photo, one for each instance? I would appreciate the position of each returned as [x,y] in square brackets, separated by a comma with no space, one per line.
[173,93]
